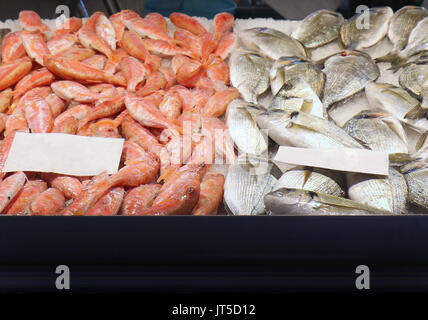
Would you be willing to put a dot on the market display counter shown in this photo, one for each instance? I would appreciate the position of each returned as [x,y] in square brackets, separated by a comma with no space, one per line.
[158,254]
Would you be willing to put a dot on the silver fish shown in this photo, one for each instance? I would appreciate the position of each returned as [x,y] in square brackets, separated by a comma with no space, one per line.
[3,33]
[272,43]
[402,24]
[245,188]
[300,129]
[354,35]
[416,174]
[308,203]
[422,147]
[319,28]
[297,95]
[414,79]
[243,128]
[249,74]
[378,132]
[394,100]
[309,180]
[347,73]
[388,193]
[286,68]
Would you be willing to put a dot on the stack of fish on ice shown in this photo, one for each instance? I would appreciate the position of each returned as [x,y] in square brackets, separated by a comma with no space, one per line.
[323,84]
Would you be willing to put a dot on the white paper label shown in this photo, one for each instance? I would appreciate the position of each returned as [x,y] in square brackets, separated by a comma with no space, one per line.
[344,159]
[64,153]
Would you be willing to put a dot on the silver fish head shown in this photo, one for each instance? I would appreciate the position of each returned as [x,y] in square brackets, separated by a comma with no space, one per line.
[288,201]
[416,175]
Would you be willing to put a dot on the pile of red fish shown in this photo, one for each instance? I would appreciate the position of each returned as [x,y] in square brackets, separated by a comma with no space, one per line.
[120,77]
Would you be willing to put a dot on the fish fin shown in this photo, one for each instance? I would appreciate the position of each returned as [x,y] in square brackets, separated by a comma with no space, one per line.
[421,140]
[363,143]
[396,127]
[307,51]
[306,176]
[415,113]
[307,105]
[397,159]
[412,166]
[424,103]
[328,199]
[176,122]
[166,175]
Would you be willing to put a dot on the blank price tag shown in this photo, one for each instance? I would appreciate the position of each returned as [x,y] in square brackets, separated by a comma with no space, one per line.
[63,153]
[344,159]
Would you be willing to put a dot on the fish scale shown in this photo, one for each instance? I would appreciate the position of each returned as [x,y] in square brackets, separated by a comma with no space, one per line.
[416,175]
[375,134]
[347,73]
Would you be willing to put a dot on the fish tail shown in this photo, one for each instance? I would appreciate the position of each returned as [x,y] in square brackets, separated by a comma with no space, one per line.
[415,113]
[424,103]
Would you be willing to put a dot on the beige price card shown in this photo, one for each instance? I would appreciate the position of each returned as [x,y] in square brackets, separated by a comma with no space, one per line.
[344,159]
[63,153]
